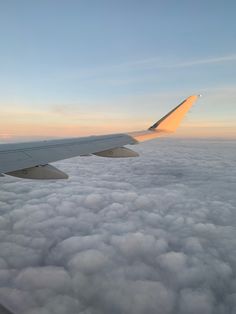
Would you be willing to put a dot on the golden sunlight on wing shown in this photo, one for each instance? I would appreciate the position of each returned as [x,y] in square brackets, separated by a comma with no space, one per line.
[167,124]
[171,121]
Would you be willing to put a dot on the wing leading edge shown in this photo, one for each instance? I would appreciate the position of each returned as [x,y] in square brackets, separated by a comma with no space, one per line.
[21,159]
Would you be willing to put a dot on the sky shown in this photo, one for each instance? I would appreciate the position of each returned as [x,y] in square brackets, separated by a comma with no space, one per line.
[71,68]
[153,234]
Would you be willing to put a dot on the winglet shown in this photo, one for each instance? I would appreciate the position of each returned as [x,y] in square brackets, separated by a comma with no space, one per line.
[171,120]
[167,124]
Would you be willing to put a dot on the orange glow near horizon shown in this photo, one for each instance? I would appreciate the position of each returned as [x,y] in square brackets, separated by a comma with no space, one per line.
[35,124]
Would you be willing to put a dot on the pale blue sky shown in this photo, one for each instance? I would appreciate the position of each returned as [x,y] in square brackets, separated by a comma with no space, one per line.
[130,57]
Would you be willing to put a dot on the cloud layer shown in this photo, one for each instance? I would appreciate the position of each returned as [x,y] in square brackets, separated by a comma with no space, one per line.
[154,234]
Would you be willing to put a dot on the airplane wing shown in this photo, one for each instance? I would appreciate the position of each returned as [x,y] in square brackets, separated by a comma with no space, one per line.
[32,160]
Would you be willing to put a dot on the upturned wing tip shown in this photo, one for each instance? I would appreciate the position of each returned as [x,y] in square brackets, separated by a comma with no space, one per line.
[172,119]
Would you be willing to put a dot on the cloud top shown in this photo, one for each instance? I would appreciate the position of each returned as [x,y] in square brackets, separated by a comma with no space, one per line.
[155,234]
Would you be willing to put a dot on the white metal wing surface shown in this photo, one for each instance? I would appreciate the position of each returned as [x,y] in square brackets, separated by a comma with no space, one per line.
[31,160]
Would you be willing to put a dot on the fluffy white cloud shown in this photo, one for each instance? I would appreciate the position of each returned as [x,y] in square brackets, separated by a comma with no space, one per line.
[154,234]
